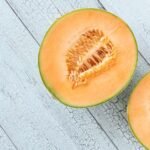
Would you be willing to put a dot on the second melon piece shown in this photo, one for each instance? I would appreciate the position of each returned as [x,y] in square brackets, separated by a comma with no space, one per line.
[139,111]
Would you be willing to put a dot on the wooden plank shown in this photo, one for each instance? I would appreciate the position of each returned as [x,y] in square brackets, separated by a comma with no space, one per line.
[30,115]
[136,14]
[5,143]
[114,110]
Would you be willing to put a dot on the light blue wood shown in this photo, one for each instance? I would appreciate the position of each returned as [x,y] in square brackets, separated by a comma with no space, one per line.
[29,114]
[5,143]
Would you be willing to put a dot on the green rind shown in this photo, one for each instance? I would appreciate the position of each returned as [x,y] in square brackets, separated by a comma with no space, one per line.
[129,122]
[50,89]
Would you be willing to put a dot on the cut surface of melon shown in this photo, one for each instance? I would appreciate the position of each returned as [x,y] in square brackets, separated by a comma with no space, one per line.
[87,57]
[139,111]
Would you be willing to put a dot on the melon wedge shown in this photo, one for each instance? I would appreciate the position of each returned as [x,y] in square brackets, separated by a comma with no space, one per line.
[87,57]
[139,111]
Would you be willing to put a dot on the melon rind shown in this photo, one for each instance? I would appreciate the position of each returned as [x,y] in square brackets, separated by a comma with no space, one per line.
[129,122]
[52,91]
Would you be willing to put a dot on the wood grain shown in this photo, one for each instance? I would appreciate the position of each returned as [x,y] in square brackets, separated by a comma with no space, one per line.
[5,143]
[37,16]
[29,114]
[136,14]
[116,135]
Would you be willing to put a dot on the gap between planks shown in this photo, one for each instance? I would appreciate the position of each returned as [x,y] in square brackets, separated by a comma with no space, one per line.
[9,138]
[39,45]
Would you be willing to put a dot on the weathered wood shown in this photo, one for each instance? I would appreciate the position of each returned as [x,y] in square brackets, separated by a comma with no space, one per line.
[136,14]
[31,117]
[5,143]
[36,16]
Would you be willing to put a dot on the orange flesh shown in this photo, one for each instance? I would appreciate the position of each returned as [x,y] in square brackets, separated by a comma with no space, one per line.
[107,83]
[93,53]
[139,111]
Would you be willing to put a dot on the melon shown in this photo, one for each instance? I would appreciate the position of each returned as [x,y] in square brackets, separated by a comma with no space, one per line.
[87,57]
[139,111]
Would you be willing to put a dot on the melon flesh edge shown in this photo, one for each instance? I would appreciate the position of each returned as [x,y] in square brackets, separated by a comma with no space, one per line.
[106,84]
[139,111]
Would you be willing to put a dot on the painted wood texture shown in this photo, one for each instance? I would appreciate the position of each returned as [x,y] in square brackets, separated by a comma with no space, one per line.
[29,110]
[5,143]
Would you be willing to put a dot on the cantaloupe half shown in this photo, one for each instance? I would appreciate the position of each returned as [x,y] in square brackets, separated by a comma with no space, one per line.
[87,57]
[139,111]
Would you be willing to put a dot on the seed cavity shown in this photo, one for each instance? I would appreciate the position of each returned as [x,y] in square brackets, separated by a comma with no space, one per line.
[92,52]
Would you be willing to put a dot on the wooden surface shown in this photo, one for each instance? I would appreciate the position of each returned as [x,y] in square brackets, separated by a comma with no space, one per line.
[30,118]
